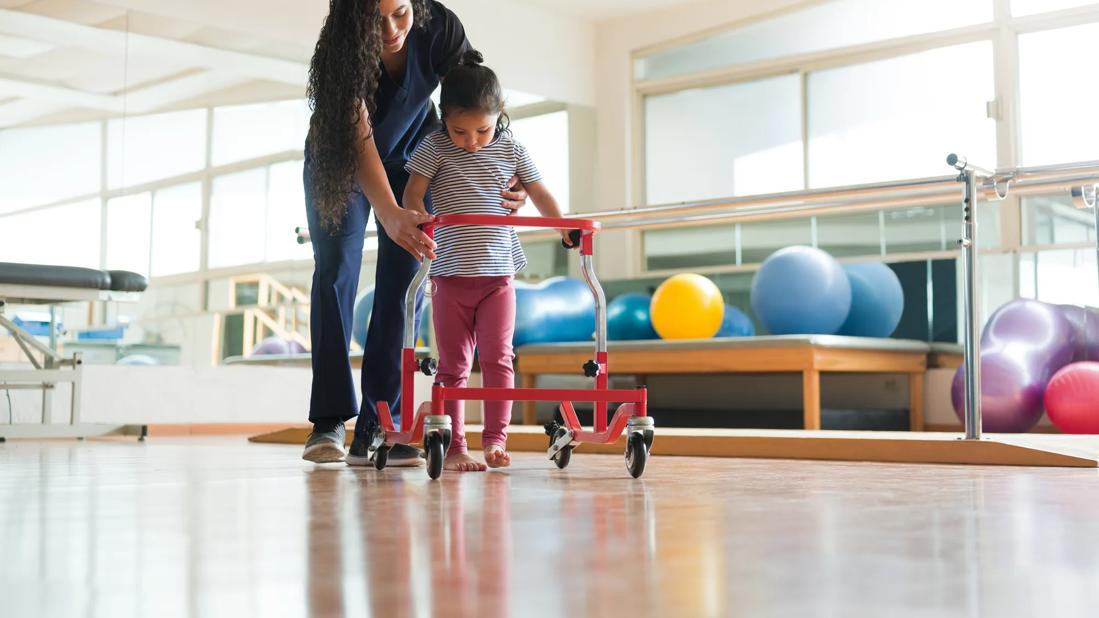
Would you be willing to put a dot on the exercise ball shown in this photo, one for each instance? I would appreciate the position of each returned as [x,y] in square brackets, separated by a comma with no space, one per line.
[1072,398]
[1024,343]
[555,310]
[364,306]
[736,323]
[1085,324]
[801,290]
[137,359]
[272,346]
[628,318]
[687,306]
[877,300]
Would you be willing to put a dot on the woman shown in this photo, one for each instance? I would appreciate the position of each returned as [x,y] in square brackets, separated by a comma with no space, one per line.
[373,71]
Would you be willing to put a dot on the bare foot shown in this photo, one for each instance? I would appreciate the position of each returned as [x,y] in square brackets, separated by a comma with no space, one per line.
[497,457]
[462,462]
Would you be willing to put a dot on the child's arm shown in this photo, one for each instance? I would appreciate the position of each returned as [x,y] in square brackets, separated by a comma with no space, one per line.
[414,192]
[546,205]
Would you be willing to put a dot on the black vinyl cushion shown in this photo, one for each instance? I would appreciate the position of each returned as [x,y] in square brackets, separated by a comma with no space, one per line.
[56,276]
[126,281]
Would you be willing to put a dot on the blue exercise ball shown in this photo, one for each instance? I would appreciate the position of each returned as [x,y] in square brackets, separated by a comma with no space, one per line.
[364,306]
[801,290]
[555,310]
[736,323]
[877,300]
[137,359]
[628,318]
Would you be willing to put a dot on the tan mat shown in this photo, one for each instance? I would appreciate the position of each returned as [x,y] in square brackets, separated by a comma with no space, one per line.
[882,446]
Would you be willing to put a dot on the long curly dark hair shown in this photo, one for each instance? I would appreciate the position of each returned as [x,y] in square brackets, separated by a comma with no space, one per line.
[345,68]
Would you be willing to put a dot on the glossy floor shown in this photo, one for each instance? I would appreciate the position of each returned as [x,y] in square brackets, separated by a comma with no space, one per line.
[219,527]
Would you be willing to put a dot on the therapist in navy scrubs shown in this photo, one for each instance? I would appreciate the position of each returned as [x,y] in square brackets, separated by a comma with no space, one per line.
[374,68]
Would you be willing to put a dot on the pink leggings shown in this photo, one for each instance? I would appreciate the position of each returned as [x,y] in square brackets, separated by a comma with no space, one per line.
[475,312]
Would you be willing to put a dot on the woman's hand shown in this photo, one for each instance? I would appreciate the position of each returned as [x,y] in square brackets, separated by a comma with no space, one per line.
[403,227]
[515,196]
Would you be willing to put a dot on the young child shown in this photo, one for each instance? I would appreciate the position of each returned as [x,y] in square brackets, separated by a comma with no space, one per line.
[466,165]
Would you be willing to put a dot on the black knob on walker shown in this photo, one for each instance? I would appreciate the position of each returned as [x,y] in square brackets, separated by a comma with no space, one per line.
[429,366]
[591,369]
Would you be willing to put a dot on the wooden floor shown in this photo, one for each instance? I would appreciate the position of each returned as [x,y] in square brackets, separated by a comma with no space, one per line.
[210,526]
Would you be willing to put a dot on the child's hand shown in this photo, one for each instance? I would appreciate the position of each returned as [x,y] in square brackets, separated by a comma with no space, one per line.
[565,237]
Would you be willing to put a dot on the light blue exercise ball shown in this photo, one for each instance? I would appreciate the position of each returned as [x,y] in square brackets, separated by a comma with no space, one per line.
[364,307]
[628,318]
[877,300]
[553,311]
[736,323]
[801,290]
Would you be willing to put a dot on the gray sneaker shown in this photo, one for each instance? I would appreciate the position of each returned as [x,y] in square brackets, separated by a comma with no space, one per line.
[325,443]
[400,455]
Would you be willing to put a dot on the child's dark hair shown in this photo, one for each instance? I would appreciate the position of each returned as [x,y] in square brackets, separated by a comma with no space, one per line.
[472,86]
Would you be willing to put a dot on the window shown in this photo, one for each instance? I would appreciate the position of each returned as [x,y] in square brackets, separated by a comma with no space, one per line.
[827,25]
[855,234]
[1064,276]
[146,148]
[1059,89]
[244,132]
[1030,7]
[286,211]
[546,138]
[238,218]
[920,228]
[177,242]
[129,223]
[899,118]
[1054,220]
[64,235]
[692,247]
[760,239]
[47,164]
[738,139]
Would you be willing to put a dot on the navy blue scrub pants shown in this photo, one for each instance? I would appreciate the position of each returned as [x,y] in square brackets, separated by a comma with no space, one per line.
[337,257]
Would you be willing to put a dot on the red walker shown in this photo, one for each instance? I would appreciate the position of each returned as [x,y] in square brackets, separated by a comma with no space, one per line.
[431,426]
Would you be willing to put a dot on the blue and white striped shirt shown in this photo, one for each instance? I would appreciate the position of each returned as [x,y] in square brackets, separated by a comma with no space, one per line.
[466,183]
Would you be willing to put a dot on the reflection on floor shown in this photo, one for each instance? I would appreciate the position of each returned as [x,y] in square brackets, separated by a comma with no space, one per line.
[220,527]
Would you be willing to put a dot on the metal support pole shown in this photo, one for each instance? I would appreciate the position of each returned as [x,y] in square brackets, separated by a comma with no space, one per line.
[972,343]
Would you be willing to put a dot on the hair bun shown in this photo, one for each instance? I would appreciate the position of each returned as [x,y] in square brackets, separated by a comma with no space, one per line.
[472,58]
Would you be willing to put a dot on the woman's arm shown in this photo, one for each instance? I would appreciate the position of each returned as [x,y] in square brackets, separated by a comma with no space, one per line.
[402,226]
[546,205]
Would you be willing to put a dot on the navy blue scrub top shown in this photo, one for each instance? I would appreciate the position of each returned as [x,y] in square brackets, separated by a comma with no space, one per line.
[404,113]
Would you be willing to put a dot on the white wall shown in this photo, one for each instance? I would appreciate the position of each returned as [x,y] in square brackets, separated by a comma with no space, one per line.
[615,41]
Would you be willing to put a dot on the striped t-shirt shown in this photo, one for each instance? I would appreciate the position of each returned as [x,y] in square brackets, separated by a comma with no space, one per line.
[466,183]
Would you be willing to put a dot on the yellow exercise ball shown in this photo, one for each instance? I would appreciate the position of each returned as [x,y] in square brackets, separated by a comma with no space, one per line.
[687,306]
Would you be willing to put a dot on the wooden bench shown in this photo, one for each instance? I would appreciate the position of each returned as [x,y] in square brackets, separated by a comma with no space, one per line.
[809,355]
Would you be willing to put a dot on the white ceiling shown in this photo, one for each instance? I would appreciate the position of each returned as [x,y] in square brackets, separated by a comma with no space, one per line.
[599,10]
[70,60]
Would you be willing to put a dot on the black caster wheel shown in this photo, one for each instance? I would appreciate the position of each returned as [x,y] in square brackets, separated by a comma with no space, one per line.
[435,455]
[637,454]
[564,455]
[380,457]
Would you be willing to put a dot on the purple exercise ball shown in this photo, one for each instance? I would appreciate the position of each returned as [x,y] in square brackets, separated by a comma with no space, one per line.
[276,346]
[1085,324]
[1024,343]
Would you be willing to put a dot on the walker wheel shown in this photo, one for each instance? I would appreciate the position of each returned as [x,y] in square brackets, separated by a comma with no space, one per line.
[435,455]
[637,454]
[381,456]
[564,455]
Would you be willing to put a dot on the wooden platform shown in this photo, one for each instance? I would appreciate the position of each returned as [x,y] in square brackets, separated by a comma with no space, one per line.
[879,446]
[809,355]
